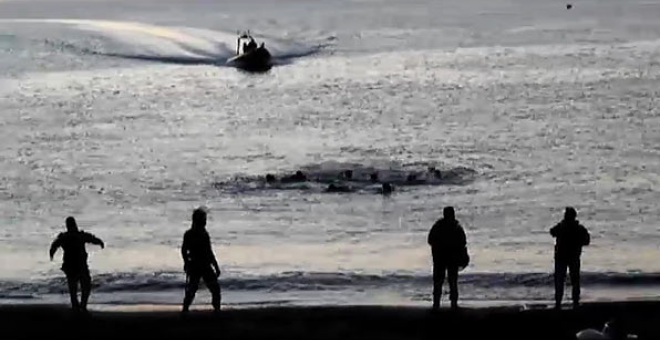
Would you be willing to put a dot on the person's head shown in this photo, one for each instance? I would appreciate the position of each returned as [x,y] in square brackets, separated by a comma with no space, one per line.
[71,224]
[199,218]
[570,214]
[374,177]
[448,213]
[270,178]
[300,174]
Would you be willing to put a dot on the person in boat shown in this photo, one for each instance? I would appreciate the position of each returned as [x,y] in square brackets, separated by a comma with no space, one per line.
[250,46]
[74,263]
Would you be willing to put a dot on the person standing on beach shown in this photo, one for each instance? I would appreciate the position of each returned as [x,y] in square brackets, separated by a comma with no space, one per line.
[448,247]
[199,261]
[74,265]
[571,237]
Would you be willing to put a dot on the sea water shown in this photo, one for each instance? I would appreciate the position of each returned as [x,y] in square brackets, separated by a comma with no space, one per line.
[124,115]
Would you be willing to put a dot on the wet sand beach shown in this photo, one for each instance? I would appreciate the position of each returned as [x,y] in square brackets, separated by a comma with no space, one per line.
[364,322]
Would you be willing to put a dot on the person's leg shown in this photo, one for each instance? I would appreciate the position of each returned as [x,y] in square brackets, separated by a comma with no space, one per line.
[560,281]
[452,273]
[438,280]
[85,289]
[72,282]
[211,282]
[574,268]
[191,288]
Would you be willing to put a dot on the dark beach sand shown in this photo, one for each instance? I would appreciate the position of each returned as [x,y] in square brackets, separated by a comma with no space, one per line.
[47,322]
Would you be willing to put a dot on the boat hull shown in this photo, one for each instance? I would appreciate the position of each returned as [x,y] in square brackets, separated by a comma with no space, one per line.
[257,60]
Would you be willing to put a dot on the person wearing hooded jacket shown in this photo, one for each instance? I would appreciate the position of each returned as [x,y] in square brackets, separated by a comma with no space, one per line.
[570,237]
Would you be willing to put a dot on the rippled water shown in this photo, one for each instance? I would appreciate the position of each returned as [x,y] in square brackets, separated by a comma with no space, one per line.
[123,115]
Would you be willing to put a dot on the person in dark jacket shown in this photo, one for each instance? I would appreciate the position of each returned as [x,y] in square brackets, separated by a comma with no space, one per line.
[571,236]
[199,261]
[74,264]
[448,246]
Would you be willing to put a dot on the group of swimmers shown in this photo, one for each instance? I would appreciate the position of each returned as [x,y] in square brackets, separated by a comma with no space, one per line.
[447,240]
[386,188]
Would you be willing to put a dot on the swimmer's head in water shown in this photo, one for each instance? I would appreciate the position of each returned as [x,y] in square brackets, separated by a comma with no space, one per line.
[348,174]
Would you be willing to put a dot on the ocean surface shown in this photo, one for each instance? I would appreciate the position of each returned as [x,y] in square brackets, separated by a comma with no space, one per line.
[124,115]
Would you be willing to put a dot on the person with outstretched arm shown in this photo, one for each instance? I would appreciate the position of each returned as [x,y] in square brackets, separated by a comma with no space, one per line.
[570,237]
[74,265]
[449,249]
[199,261]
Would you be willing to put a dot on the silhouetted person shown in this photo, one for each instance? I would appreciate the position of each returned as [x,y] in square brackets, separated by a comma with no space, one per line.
[448,246]
[199,261]
[74,264]
[571,237]
[250,46]
[270,178]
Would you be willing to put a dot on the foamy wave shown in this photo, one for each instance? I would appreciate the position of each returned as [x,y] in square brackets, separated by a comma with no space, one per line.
[314,281]
[178,45]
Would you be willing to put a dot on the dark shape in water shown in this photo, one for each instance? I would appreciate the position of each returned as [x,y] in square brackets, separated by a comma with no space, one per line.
[569,6]
[337,188]
[74,265]
[387,189]
[298,177]
[270,178]
[348,174]
[374,177]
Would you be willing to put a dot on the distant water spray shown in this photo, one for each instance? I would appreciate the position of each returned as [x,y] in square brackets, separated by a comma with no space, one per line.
[178,45]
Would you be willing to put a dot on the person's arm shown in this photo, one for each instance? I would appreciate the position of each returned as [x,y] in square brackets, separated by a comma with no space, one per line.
[91,238]
[55,245]
[211,254]
[432,234]
[184,252]
[553,230]
[586,238]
